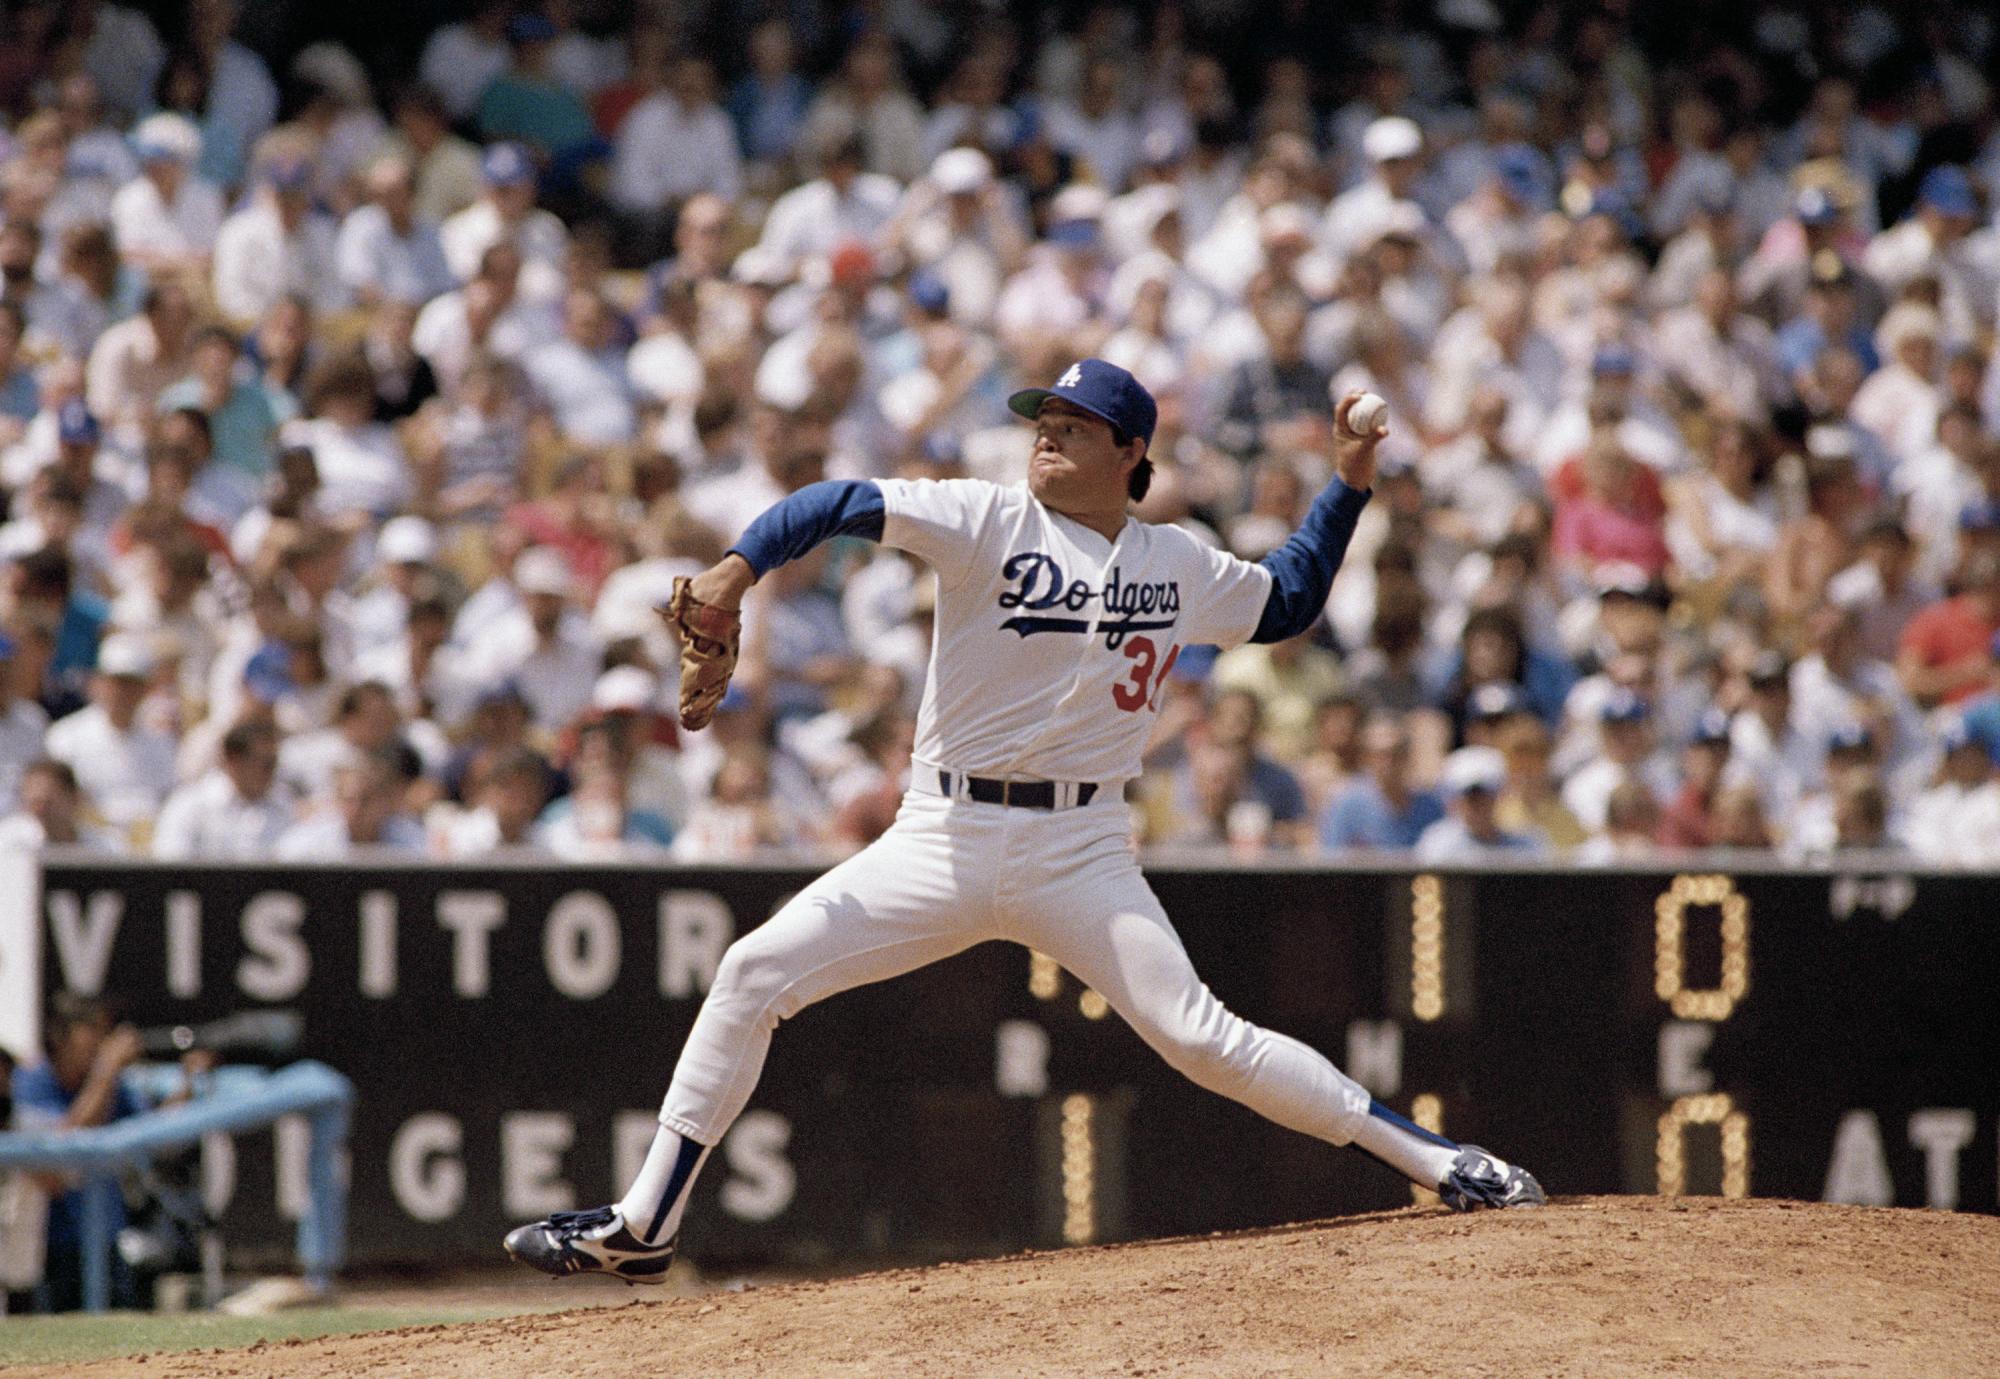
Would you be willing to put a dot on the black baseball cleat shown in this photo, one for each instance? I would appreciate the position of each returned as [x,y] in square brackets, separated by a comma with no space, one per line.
[591,1242]
[1479,1179]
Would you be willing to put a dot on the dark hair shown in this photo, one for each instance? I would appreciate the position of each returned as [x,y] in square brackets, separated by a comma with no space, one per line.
[1142,473]
[69,1010]
[48,569]
[241,739]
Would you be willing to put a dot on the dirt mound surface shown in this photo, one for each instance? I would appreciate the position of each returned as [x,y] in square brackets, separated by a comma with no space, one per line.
[1594,1288]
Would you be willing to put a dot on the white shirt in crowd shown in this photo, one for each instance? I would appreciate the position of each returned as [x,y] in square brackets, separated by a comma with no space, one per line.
[142,221]
[539,235]
[400,267]
[555,679]
[210,819]
[811,219]
[667,152]
[257,263]
[125,774]
[23,728]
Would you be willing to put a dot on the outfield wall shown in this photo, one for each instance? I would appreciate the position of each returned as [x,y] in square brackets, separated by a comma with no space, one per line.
[510,1030]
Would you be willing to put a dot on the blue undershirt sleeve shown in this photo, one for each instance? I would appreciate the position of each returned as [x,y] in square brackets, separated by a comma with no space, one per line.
[795,524]
[1302,569]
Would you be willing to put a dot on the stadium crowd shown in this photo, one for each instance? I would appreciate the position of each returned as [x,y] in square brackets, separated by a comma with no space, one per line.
[352,428]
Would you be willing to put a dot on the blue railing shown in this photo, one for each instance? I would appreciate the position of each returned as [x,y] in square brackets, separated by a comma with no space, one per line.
[231,1100]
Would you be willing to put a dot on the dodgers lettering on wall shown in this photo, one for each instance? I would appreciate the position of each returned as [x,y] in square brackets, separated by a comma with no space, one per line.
[511,1033]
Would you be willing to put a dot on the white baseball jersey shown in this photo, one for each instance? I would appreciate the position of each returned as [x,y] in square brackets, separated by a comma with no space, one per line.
[1052,644]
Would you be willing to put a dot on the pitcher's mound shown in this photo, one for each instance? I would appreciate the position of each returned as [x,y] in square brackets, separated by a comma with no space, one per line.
[1595,1288]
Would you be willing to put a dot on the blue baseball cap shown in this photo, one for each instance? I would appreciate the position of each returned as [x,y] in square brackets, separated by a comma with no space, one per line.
[1948,190]
[75,425]
[507,165]
[6,647]
[1614,360]
[1101,389]
[268,674]
[1073,234]
[1712,728]
[532,27]
[1523,172]
[1850,737]
[928,292]
[1623,706]
[1981,516]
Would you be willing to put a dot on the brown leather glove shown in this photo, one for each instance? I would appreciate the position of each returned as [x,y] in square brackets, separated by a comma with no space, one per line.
[709,640]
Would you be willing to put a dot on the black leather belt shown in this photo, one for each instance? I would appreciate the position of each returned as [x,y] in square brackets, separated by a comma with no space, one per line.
[1026,794]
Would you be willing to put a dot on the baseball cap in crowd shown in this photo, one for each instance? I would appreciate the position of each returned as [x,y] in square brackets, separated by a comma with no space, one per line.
[1495,699]
[268,673]
[1948,191]
[542,570]
[6,647]
[1816,206]
[1474,768]
[625,689]
[507,165]
[1712,728]
[407,540]
[75,425]
[1522,173]
[167,138]
[1077,201]
[1392,137]
[1101,389]
[760,267]
[1613,360]
[507,691]
[1850,737]
[124,656]
[1624,706]
[1980,516]
[531,27]
[1073,234]
[1623,580]
[961,171]
[1957,735]
[1769,669]
[929,293]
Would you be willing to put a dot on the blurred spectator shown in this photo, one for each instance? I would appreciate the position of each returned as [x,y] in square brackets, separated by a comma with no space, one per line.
[235,813]
[1944,650]
[23,723]
[362,812]
[741,815]
[387,250]
[1382,809]
[125,768]
[1472,780]
[505,793]
[51,814]
[539,646]
[166,219]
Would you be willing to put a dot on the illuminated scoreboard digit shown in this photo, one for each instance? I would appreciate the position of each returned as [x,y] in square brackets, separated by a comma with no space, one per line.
[1692,1102]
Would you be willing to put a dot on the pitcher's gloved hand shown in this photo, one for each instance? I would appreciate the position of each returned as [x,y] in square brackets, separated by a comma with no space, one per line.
[709,641]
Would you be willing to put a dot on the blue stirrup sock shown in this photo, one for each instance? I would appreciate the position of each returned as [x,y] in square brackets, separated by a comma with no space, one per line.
[652,1206]
[1422,1156]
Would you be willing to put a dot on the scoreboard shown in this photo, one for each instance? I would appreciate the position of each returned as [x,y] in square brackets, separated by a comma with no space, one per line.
[511,1029]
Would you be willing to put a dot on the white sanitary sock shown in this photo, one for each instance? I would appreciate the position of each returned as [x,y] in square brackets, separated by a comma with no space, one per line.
[652,1206]
[1420,1156]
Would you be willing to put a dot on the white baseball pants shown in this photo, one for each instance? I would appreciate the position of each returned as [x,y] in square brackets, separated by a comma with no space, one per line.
[949,875]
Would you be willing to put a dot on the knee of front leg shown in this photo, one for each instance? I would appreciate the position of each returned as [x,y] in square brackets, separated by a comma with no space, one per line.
[749,971]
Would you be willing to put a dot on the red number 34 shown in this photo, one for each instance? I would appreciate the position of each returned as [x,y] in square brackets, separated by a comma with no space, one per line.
[1149,672]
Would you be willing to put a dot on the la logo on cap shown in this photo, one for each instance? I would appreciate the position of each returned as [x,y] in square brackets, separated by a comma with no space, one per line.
[1072,378]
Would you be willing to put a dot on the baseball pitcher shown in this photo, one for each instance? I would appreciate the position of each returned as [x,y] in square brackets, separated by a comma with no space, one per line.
[1059,616]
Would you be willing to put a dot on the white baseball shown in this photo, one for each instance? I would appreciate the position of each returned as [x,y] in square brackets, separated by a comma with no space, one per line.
[1365,417]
